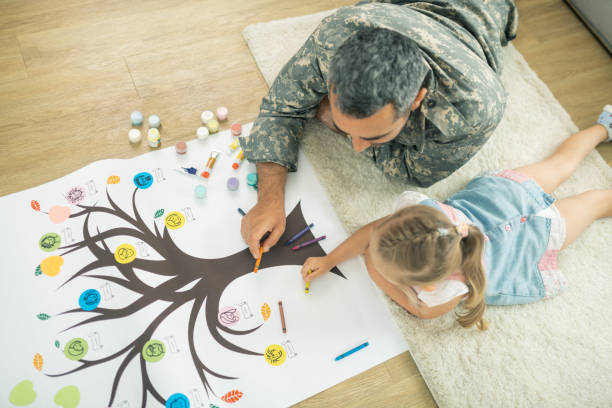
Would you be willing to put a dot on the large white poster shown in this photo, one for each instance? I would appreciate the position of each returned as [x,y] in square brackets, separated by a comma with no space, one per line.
[119,287]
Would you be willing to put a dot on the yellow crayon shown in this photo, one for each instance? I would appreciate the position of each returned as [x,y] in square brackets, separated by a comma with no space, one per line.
[308,282]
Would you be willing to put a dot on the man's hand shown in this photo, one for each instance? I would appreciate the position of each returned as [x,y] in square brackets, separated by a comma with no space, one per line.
[264,217]
[268,215]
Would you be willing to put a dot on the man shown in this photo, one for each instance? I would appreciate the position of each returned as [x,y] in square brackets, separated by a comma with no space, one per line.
[414,85]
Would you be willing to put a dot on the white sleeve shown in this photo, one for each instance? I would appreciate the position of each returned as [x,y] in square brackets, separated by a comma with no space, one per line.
[443,293]
[408,198]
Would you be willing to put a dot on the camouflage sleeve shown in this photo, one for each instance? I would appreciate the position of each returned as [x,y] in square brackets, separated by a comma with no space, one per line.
[293,98]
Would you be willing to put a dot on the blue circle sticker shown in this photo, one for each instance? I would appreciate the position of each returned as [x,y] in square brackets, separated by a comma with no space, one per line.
[143,180]
[177,400]
[89,300]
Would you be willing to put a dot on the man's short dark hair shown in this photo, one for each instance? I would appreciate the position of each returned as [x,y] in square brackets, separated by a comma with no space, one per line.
[374,67]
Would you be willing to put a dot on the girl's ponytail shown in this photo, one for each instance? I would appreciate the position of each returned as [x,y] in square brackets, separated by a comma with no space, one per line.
[472,249]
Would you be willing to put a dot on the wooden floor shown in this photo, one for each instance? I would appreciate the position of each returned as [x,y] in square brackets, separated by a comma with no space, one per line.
[71,71]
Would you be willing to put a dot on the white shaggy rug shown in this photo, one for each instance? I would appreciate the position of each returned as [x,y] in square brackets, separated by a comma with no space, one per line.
[553,353]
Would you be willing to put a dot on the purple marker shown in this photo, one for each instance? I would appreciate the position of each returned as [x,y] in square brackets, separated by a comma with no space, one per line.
[312,241]
[299,234]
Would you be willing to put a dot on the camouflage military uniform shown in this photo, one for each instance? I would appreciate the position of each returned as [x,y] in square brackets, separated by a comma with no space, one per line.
[461,42]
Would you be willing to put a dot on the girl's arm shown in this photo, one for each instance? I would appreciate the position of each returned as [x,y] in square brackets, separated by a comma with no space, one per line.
[351,247]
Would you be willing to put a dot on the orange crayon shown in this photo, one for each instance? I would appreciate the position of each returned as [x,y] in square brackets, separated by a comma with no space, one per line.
[258,259]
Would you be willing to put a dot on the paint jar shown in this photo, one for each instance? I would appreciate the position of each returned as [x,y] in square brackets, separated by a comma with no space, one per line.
[154,137]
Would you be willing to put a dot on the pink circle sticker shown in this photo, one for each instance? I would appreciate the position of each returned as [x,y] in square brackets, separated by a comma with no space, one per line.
[59,214]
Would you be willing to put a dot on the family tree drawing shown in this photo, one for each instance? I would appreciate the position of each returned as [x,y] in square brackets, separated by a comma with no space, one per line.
[206,280]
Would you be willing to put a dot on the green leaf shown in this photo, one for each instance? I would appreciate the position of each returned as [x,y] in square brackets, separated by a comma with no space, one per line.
[213,406]
[38,271]
[57,344]
[43,316]
[159,213]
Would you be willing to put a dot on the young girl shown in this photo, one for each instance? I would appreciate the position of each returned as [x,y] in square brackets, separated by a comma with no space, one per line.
[495,242]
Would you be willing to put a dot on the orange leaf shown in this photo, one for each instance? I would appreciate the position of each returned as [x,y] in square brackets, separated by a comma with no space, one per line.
[232,396]
[265,311]
[113,180]
[38,362]
[35,205]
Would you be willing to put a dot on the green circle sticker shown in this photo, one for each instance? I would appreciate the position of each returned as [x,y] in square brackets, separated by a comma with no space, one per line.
[50,242]
[153,351]
[76,349]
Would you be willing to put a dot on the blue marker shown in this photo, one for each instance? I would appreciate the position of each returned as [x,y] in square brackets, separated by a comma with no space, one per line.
[241,211]
[351,351]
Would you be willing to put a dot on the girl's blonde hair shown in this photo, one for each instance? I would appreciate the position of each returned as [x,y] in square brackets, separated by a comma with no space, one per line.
[427,248]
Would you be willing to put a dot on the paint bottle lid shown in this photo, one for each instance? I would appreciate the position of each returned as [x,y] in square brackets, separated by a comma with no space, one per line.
[232,184]
[136,118]
[207,116]
[202,133]
[200,191]
[153,134]
[236,129]
[222,113]
[213,126]
[134,135]
[154,121]
[252,179]
[181,147]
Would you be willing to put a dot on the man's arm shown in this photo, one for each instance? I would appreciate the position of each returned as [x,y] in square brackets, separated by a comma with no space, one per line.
[273,142]
[269,213]
[292,99]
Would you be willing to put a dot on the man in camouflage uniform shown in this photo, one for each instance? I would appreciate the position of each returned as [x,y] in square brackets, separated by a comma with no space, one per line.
[452,80]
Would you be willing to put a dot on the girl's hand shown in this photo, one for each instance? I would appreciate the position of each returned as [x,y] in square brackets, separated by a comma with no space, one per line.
[317,267]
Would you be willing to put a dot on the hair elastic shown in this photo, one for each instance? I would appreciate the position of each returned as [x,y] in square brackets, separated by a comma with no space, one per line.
[462,229]
[443,231]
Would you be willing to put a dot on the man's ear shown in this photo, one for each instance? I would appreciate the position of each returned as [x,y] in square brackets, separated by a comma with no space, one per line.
[418,99]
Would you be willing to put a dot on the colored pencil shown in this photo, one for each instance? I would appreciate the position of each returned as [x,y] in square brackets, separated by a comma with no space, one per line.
[282,315]
[351,351]
[299,234]
[312,241]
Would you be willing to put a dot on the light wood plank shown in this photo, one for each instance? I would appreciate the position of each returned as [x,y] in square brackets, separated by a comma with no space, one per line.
[568,58]
[12,66]
[350,392]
